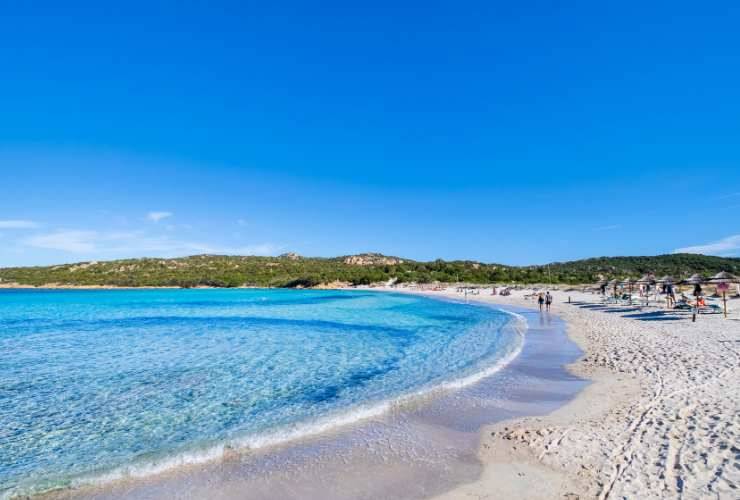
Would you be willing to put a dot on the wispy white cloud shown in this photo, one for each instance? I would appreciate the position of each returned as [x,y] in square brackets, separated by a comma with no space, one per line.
[18,224]
[136,243]
[158,216]
[726,247]
[608,228]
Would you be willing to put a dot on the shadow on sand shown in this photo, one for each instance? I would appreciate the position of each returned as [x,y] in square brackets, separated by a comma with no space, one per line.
[654,316]
[623,309]
[638,314]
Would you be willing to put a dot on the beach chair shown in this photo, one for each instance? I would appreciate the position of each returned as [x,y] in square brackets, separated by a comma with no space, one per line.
[710,309]
[627,300]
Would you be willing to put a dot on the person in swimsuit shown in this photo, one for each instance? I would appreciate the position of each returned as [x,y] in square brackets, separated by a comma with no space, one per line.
[540,301]
[548,300]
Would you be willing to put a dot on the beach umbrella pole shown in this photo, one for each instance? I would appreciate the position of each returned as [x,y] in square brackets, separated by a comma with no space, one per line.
[724,299]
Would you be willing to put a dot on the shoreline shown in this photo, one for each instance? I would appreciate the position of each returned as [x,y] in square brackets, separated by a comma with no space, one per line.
[436,417]
[634,432]
[509,472]
[659,418]
[285,437]
[512,472]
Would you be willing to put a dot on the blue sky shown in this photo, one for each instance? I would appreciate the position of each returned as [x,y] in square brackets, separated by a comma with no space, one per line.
[519,133]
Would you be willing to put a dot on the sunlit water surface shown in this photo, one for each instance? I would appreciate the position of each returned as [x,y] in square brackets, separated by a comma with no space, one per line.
[102,384]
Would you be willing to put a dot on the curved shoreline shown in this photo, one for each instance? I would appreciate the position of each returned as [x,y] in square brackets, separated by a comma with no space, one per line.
[511,471]
[658,419]
[209,453]
[285,436]
[421,409]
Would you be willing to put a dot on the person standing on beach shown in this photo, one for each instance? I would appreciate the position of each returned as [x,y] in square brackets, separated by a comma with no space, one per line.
[548,300]
[670,295]
[540,301]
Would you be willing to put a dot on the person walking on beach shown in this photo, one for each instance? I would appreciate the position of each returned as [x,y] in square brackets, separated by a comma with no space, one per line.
[540,301]
[548,300]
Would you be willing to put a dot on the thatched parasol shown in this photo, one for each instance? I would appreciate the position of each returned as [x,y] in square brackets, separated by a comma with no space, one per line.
[614,284]
[647,279]
[723,280]
[666,281]
[694,279]
[630,283]
[601,284]
[723,277]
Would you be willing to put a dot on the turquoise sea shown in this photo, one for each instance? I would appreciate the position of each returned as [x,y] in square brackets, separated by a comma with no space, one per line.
[97,385]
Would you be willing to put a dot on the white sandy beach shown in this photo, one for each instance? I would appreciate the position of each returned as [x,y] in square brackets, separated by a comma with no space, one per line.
[660,420]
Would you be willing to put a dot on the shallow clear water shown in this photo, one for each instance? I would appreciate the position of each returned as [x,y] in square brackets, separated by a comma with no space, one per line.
[94,383]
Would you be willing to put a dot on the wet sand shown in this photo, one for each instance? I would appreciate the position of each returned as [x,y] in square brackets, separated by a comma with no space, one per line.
[419,449]
[660,420]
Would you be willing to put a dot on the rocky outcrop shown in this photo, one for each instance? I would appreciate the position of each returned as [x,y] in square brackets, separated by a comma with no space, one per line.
[371,259]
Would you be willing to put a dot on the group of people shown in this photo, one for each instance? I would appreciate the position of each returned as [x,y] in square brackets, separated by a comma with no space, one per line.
[544,299]
[666,289]
[669,291]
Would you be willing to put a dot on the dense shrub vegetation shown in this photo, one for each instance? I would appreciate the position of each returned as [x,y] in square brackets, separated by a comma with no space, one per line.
[292,271]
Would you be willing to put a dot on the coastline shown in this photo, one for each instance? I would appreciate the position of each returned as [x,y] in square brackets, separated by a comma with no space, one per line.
[660,419]
[433,437]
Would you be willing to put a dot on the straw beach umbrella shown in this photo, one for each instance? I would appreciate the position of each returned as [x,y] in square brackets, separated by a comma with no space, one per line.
[723,277]
[723,280]
[696,280]
[613,284]
[667,282]
[647,279]
[630,284]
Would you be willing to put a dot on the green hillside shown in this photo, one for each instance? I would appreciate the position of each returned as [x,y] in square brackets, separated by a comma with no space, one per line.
[291,270]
